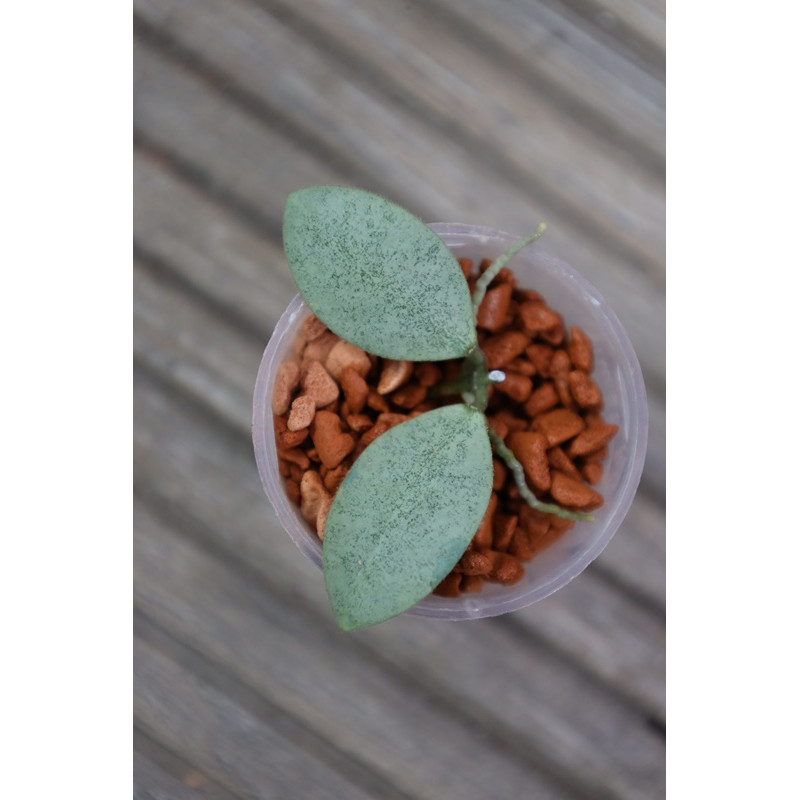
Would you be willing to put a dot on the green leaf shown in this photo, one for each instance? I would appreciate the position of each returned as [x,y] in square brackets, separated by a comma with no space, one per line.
[405,514]
[376,275]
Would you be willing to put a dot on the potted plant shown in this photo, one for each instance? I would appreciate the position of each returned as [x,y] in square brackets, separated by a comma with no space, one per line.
[407,505]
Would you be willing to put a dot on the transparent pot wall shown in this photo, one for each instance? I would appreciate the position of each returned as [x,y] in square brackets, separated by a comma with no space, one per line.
[616,371]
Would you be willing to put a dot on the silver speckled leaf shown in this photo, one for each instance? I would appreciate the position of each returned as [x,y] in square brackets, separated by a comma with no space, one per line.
[405,514]
[376,275]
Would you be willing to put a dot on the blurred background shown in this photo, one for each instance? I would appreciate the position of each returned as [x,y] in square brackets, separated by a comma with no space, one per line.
[495,112]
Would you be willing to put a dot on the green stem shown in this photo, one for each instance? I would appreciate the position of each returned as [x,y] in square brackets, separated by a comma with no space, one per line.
[519,477]
[483,282]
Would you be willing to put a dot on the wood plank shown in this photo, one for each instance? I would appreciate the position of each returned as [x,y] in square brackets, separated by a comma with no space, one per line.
[369,40]
[210,249]
[238,154]
[465,188]
[584,728]
[223,259]
[617,640]
[212,359]
[233,744]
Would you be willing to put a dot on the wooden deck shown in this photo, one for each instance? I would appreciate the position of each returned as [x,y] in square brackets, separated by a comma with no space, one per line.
[496,113]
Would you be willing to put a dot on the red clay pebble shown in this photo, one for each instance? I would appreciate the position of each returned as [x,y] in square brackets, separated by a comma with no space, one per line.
[493,310]
[573,493]
[558,459]
[329,441]
[473,562]
[294,455]
[591,439]
[536,522]
[293,491]
[537,318]
[540,356]
[499,473]
[504,347]
[285,383]
[580,349]
[471,583]
[343,355]
[554,336]
[506,569]
[355,390]
[530,449]
[377,402]
[522,366]
[449,587]
[319,349]
[302,412]
[334,477]
[596,456]
[592,472]
[517,387]
[312,328]
[319,385]
[511,421]
[378,429]
[559,425]
[503,527]
[393,375]
[584,389]
[358,423]
[499,426]
[483,536]
[427,374]
[409,396]
[542,399]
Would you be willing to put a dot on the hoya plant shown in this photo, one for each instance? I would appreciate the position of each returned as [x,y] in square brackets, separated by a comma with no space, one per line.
[404,515]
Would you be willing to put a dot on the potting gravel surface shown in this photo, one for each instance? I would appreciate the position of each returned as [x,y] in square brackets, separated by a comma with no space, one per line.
[331,400]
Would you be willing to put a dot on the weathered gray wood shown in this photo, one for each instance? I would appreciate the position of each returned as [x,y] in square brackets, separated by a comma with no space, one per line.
[244,45]
[635,557]
[160,775]
[213,360]
[179,111]
[235,745]
[506,119]
[597,84]
[560,715]
[226,261]
[615,639]
[643,19]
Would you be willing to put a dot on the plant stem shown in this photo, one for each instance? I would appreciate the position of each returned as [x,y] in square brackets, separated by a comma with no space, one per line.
[519,477]
[498,264]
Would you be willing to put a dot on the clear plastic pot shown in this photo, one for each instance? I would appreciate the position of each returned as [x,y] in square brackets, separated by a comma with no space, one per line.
[616,371]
